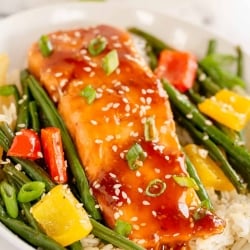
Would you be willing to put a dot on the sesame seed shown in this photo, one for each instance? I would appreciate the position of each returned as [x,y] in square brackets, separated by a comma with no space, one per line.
[157,170]
[125,100]
[111,91]
[114,148]
[136,227]
[58,74]
[145,203]
[125,88]
[135,218]
[141,242]
[189,116]
[116,105]
[154,213]
[143,91]
[92,73]
[79,205]
[167,157]
[93,64]
[115,197]
[156,237]
[127,107]
[87,69]
[150,91]
[124,195]
[86,58]
[128,201]
[116,215]
[208,122]
[137,173]
[40,154]
[63,82]
[205,137]
[148,100]
[93,122]
[117,45]
[142,99]
[109,138]
[122,155]
[118,71]
[98,141]
[130,124]
[18,167]
[83,51]
[77,34]
[112,175]
[118,185]
[114,37]
[21,125]
[134,134]
[121,92]
[117,191]
[140,190]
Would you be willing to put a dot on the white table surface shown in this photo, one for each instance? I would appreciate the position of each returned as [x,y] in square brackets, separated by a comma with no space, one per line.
[229,18]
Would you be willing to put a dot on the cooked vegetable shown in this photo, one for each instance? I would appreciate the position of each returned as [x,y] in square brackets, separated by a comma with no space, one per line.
[209,171]
[239,153]
[228,108]
[26,144]
[186,181]
[29,234]
[89,94]
[97,45]
[212,44]
[53,154]
[61,216]
[8,194]
[45,46]
[110,62]
[135,156]
[72,157]
[178,67]
[31,191]
[8,90]
[123,228]
[155,188]
[35,123]
[150,130]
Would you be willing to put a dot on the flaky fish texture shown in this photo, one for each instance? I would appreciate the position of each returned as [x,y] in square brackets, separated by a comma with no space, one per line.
[130,113]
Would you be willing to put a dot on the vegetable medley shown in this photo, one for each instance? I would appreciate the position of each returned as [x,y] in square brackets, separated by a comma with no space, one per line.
[36,179]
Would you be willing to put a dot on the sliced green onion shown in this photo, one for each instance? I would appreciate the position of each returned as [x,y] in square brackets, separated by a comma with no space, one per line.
[199,213]
[185,181]
[150,131]
[89,94]
[123,227]
[45,46]
[97,45]
[31,191]
[135,156]
[110,62]
[155,188]
[8,194]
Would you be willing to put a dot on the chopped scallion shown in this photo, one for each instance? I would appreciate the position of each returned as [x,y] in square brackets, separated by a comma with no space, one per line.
[110,62]
[45,46]
[135,156]
[89,93]
[155,188]
[150,131]
[97,45]
[185,181]
[123,228]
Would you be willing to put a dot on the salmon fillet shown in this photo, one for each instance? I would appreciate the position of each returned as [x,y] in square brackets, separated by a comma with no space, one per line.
[160,211]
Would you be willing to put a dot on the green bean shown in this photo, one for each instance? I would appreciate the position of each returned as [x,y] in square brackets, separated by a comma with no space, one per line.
[23,111]
[156,44]
[35,124]
[212,44]
[55,120]
[201,192]
[29,234]
[76,246]
[184,106]
[8,193]
[239,62]
[114,238]
[29,217]
[153,61]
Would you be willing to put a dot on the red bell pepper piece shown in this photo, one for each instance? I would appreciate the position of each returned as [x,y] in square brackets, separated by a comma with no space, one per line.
[26,144]
[178,67]
[53,154]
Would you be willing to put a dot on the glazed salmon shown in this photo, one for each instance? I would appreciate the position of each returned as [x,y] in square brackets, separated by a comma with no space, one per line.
[125,136]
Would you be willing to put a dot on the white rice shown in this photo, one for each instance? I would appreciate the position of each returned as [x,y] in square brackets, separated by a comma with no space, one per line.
[235,210]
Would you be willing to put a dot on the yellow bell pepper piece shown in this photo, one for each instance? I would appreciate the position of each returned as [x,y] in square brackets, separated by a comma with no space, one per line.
[228,108]
[61,216]
[208,170]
